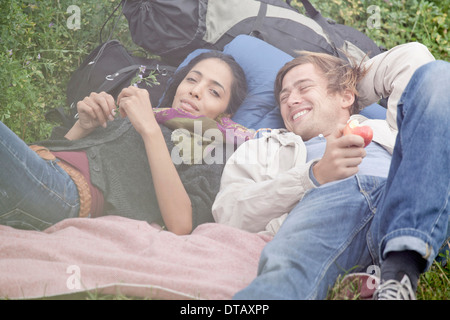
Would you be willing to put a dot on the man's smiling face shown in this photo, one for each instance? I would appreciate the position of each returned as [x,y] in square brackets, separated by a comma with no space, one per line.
[305,104]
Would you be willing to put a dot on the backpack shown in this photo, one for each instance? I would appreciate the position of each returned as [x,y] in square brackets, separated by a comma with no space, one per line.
[172,29]
[110,67]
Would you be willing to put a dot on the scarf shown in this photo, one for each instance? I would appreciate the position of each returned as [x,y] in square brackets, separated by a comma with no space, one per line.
[196,137]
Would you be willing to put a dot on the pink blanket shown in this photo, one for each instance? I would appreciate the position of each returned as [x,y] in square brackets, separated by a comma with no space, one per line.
[115,255]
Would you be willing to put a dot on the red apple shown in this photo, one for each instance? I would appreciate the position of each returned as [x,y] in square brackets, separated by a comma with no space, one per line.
[353,127]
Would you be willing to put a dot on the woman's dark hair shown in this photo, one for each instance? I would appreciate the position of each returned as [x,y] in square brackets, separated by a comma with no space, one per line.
[238,85]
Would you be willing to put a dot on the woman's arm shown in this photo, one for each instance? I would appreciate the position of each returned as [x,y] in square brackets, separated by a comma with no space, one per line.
[173,200]
[77,132]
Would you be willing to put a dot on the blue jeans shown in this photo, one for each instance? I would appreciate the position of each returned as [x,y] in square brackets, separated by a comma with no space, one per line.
[34,193]
[351,225]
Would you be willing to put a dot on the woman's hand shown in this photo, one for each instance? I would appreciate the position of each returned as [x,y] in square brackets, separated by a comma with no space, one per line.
[342,156]
[93,111]
[135,104]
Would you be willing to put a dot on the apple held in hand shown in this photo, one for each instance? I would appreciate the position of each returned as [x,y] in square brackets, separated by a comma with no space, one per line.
[353,127]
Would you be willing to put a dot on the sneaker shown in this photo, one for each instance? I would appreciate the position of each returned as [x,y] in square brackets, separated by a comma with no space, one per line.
[395,290]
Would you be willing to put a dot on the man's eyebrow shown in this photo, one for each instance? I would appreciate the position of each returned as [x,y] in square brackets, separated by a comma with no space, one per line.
[296,84]
[212,81]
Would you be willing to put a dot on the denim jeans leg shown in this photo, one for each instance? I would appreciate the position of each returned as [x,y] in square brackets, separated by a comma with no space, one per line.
[34,193]
[323,237]
[415,212]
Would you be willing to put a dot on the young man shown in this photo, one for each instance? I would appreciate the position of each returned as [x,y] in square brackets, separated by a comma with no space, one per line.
[343,207]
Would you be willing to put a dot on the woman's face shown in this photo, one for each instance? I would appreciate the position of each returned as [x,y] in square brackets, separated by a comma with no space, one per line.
[206,89]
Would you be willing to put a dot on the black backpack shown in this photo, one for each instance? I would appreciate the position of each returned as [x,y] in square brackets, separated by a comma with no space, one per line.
[172,29]
[110,67]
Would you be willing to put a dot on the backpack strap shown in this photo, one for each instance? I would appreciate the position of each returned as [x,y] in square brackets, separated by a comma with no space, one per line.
[122,3]
[259,21]
[336,40]
[309,8]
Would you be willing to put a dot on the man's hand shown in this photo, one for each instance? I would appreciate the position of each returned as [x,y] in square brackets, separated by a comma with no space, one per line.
[342,156]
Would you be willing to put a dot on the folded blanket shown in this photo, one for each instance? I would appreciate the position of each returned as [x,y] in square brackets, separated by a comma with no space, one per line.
[116,255]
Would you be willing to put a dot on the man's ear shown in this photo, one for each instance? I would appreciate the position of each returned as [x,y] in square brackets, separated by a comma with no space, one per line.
[347,99]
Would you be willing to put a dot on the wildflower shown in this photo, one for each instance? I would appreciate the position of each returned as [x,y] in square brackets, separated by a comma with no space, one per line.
[10,52]
[150,80]
[39,56]
[51,24]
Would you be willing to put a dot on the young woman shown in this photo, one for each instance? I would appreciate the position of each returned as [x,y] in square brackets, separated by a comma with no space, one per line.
[124,166]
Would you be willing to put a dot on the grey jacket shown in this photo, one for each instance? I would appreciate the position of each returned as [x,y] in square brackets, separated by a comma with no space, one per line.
[119,168]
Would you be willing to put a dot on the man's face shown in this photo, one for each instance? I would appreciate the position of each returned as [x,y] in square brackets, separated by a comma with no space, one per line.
[306,106]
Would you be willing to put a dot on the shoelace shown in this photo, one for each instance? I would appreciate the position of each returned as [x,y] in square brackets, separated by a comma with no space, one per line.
[394,290]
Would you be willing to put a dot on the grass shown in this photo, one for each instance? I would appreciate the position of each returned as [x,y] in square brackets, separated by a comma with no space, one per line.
[433,284]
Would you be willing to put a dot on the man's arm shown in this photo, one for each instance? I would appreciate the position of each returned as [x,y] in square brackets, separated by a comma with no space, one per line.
[388,75]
